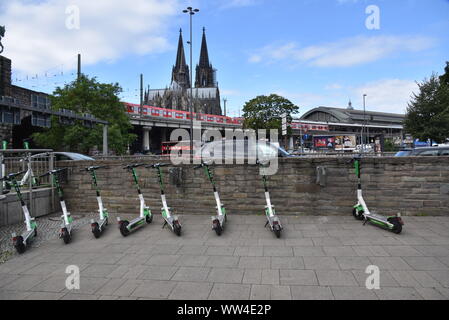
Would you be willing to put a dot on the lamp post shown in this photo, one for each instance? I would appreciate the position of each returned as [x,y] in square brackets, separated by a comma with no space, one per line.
[364,122]
[191,12]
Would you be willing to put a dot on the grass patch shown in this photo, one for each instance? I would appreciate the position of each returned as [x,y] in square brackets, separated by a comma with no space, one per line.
[5,255]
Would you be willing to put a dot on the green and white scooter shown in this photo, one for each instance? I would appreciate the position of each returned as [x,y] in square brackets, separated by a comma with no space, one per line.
[219,220]
[65,232]
[361,212]
[5,184]
[24,240]
[98,226]
[29,173]
[145,216]
[171,220]
[272,218]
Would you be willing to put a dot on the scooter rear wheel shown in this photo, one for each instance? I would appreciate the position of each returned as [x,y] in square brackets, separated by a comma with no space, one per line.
[123,228]
[397,226]
[19,245]
[357,214]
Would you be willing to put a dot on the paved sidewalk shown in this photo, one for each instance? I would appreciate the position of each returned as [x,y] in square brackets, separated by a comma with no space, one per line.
[316,258]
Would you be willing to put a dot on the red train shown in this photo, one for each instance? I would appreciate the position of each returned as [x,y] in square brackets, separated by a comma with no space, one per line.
[185,115]
[179,114]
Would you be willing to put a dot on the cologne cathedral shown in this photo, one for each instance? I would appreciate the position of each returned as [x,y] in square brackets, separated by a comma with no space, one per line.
[206,95]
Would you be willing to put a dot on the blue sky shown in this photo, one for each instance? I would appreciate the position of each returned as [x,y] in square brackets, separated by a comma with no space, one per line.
[312,52]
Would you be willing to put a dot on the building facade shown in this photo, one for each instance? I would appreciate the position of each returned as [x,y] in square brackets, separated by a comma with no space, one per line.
[206,94]
[24,111]
[359,126]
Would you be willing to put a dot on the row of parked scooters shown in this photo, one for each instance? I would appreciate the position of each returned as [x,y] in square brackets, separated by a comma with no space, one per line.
[21,242]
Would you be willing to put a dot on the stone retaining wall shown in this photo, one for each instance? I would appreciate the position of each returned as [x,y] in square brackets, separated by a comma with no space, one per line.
[412,186]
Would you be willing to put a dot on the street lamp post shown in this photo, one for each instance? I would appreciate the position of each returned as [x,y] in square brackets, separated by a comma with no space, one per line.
[364,122]
[191,12]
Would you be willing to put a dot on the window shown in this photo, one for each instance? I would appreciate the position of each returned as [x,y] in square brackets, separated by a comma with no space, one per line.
[40,102]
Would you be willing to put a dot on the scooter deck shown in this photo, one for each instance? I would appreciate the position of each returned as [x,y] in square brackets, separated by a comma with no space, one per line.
[377,217]
[136,221]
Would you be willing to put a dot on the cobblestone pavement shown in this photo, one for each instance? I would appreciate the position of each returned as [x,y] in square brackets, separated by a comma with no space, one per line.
[316,258]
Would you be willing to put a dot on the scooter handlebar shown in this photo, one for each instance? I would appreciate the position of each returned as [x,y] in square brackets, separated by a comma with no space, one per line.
[13,175]
[94,168]
[157,165]
[130,166]
[56,171]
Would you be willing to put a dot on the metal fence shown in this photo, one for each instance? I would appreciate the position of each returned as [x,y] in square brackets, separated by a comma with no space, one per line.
[33,162]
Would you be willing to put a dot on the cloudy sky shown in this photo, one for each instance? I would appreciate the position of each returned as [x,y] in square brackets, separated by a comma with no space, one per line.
[313,52]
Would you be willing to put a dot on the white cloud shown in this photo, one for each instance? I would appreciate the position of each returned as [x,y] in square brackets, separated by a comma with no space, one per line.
[342,53]
[238,3]
[389,95]
[37,38]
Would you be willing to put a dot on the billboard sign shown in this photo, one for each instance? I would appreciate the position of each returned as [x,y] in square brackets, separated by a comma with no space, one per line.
[323,142]
[347,142]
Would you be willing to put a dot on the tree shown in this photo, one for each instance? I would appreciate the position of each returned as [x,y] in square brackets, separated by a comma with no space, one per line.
[87,95]
[428,113]
[445,77]
[264,112]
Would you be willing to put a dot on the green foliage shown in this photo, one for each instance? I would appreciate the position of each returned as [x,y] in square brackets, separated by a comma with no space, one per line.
[445,77]
[389,146]
[264,112]
[428,113]
[87,95]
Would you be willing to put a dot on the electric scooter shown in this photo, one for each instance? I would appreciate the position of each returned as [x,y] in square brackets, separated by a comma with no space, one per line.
[272,218]
[98,226]
[126,227]
[5,185]
[219,220]
[67,221]
[29,173]
[171,220]
[361,212]
[24,240]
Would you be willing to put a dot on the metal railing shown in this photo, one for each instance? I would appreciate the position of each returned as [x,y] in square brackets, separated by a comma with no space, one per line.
[16,160]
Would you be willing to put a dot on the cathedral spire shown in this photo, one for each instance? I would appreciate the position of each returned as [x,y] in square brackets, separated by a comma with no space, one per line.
[205,74]
[180,73]
[204,55]
[180,56]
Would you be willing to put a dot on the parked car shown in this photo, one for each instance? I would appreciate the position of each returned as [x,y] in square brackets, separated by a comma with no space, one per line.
[217,150]
[404,152]
[61,156]
[441,150]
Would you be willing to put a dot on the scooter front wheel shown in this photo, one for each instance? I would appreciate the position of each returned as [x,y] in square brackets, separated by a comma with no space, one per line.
[217,227]
[19,245]
[277,230]
[65,235]
[357,214]
[177,228]
[96,230]
[149,218]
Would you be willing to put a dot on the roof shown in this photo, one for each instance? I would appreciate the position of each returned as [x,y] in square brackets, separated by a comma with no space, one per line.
[330,114]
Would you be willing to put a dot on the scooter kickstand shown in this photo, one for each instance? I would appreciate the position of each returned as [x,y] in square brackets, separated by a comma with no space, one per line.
[266,223]
[165,223]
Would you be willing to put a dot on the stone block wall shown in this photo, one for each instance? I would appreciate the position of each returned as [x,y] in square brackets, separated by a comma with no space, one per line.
[412,186]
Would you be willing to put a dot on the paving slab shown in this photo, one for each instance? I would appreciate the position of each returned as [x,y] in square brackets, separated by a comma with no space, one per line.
[311,293]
